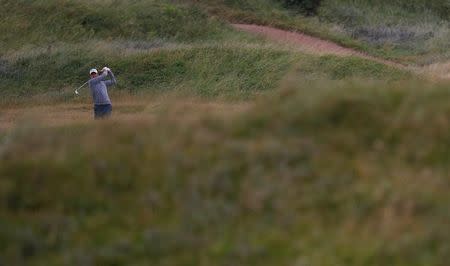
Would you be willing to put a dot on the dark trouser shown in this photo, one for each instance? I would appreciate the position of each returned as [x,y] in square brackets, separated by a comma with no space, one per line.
[102,111]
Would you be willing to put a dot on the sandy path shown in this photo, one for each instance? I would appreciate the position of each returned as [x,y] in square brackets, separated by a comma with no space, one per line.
[308,43]
[436,72]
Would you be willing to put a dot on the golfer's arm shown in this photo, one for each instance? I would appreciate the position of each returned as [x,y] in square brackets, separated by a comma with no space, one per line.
[113,80]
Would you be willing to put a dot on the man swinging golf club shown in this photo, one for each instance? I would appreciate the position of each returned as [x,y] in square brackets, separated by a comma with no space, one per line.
[99,90]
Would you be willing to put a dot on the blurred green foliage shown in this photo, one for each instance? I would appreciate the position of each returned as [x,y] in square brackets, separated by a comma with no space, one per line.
[326,175]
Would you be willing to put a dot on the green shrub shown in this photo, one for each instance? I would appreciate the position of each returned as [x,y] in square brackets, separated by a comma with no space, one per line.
[308,6]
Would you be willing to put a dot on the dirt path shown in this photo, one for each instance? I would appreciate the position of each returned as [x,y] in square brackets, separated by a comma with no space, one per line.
[308,43]
[436,72]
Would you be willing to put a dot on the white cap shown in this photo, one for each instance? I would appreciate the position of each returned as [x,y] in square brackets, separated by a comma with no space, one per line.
[93,71]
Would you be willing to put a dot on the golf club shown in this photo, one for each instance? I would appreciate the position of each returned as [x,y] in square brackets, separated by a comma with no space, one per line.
[76,91]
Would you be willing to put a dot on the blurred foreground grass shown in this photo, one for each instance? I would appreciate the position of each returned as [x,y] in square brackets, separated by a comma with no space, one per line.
[315,175]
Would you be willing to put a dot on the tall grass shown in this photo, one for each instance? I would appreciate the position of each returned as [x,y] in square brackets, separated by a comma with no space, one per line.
[330,175]
[28,23]
[232,70]
[398,27]
[407,31]
[204,70]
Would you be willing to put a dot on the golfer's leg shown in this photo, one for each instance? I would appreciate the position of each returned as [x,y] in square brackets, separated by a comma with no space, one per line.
[102,111]
[108,110]
[97,113]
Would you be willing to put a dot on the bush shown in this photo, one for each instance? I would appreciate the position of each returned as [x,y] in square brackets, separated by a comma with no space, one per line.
[308,6]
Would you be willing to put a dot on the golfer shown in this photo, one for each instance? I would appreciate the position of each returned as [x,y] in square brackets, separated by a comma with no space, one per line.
[99,90]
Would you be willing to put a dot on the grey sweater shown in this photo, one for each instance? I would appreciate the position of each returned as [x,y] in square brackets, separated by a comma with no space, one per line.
[98,86]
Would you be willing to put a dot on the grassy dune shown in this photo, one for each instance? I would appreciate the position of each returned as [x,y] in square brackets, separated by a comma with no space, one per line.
[232,71]
[415,32]
[81,20]
[204,70]
[401,30]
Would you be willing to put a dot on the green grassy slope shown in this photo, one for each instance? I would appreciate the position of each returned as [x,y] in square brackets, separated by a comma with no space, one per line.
[402,29]
[406,31]
[154,45]
[232,71]
[78,21]
[211,70]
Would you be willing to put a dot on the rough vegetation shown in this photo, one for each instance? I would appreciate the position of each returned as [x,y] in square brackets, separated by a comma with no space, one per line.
[327,176]
[406,31]
[308,6]
[208,70]
[78,21]
[398,27]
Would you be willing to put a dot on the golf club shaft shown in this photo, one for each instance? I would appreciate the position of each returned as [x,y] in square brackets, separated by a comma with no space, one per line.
[82,86]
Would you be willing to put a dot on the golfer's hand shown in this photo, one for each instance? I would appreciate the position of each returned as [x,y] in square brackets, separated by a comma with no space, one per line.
[106,69]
